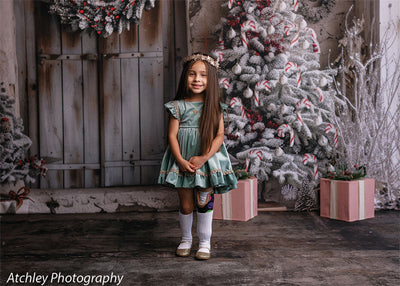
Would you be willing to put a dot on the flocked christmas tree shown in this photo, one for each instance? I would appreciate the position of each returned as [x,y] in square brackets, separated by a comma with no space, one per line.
[281,103]
[14,145]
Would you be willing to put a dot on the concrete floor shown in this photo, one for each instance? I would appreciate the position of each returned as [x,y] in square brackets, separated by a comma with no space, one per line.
[274,248]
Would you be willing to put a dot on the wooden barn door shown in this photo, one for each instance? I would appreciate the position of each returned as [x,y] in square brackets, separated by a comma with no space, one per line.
[101,120]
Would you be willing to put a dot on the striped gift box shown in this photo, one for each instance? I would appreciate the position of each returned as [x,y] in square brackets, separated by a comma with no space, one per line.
[238,204]
[347,200]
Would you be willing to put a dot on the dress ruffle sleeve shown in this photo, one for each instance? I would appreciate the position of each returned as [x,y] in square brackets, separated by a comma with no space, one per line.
[224,108]
[173,108]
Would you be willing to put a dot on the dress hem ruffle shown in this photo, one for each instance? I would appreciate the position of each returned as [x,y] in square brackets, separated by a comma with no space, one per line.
[221,182]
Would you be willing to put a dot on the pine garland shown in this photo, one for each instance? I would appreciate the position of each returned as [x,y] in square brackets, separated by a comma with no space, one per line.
[102,17]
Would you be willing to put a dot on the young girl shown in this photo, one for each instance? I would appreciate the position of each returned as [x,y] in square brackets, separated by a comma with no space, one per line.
[196,161]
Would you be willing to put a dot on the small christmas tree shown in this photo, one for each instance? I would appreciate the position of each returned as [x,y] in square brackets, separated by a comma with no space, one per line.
[281,103]
[14,145]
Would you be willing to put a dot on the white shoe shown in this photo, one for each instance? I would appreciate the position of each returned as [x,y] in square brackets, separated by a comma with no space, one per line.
[203,253]
[184,248]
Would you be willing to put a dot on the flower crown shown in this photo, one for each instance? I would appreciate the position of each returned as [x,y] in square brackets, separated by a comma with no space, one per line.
[197,57]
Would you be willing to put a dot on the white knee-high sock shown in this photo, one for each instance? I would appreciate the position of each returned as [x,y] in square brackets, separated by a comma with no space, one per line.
[204,229]
[186,222]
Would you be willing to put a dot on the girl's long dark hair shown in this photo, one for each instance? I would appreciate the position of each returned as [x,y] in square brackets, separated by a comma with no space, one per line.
[211,115]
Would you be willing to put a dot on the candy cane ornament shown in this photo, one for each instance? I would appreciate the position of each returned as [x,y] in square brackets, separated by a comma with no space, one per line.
[315,41]
[291,66]
[282,130]
[312,32]
[259,156]
[295,5]
[295,40]
[310,158]
[303,103]
[319,93]
[236,101]
[298,79]
[289,27]
[248,25]
[332,129]
[224,83]
[260,86]
[230,4]
[218,54]
[244,39]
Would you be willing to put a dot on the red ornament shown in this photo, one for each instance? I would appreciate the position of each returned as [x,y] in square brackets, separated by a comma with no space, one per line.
[116,17]
[81,11]
[99,32]
[84,3]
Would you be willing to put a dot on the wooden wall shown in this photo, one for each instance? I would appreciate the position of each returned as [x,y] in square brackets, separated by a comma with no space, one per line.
[93,106]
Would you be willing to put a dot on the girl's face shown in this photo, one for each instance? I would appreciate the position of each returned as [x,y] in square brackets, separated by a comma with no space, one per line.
[197,78]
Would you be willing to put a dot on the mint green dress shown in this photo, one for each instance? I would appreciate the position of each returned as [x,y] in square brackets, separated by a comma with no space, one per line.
[216,172]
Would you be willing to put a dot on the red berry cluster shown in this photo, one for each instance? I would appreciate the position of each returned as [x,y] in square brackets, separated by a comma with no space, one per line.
[275,45]
[32,161]
[231,136]
[261,4]
[236,20]
[272,125]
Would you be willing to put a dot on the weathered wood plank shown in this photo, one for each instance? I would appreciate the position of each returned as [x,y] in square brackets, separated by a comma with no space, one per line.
[50,93]
[130,119]
[19,11]
[151,93]
[48,30]
[111,112]
[50,119]
[150,29]
[170,50]
[129,40]
[151,116]
[90,111]
[72,109]
[181,48]
[31,80]
[130,106]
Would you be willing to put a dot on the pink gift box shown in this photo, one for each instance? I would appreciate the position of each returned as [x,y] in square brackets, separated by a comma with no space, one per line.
[347,200]
[238,204]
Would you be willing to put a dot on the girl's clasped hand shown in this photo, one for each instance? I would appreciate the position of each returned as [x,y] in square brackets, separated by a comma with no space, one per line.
[192,165]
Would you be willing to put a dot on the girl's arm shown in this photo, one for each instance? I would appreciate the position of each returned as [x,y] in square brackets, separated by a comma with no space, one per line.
[184,165]
[199,161]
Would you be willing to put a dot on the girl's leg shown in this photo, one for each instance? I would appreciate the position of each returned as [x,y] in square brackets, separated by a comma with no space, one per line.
[205,202]
[185,221]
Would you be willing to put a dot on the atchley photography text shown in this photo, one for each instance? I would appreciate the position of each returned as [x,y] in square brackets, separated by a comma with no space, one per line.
[55,278]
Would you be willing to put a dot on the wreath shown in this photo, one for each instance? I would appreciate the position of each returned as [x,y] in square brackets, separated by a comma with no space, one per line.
[314,14]
[102,17]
